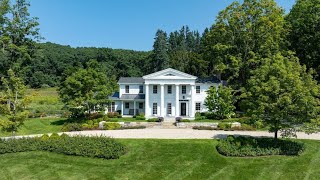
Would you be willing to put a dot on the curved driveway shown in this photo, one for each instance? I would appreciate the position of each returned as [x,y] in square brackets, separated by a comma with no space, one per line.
[176,134]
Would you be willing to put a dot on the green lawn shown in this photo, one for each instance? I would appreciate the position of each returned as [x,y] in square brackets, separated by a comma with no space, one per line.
[162,159]
[39,126]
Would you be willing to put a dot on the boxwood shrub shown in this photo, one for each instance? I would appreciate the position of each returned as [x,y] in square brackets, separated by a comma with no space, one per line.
[249,146]
[100,147]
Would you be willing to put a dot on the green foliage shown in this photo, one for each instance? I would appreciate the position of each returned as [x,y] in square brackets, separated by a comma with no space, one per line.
[140,117]
[160,57]
[282,93]
[133,127]
[240,33]
[249,146]
[304,35]
[112,126]
[220,102]
[153,120]
[86,90]
[13,103]
[71,127]
[99,147]
[18,33]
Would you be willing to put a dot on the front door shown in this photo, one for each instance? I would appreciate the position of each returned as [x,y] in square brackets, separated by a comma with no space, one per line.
[183,109]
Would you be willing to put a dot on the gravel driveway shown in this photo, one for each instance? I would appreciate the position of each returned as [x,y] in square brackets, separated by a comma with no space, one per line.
[176,134]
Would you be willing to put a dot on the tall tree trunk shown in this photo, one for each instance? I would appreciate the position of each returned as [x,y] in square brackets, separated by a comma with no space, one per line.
[276,134]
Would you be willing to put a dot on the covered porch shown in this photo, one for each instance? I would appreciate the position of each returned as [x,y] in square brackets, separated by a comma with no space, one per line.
[132,107]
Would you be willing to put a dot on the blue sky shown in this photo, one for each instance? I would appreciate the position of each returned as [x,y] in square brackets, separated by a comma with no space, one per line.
[125,24]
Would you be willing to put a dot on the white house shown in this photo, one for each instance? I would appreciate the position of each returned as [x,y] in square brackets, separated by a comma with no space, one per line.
[168,93]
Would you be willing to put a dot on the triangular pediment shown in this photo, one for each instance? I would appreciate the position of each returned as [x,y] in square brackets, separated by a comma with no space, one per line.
[169,74]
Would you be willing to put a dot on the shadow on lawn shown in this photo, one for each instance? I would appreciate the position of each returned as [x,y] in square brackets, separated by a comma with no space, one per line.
[59,122]
[224,136]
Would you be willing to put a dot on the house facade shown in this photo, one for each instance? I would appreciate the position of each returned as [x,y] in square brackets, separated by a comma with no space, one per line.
[168,93]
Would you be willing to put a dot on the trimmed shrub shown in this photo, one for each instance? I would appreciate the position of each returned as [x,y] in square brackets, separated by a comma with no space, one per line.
[119,116]
[153,120]
[94,116]
[112,126]
[54,136]
[249,146]
[244,127]
[185,120]
[110,115]
[100,147]
[71,127]
[204,128]
[140,118]
[133,127]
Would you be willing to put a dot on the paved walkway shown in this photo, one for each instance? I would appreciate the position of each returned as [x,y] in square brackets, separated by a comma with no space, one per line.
[176,134]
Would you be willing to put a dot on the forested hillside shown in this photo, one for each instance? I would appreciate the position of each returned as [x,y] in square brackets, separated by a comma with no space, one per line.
[52,60]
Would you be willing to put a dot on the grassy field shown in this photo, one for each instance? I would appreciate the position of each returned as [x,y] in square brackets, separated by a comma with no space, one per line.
[39,126]
[44,100]
[162,159]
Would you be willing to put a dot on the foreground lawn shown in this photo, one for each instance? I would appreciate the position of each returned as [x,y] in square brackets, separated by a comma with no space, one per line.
[162,159]
[39,126]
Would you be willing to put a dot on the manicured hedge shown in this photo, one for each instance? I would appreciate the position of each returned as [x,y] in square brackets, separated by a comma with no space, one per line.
[100,147]
[249,146]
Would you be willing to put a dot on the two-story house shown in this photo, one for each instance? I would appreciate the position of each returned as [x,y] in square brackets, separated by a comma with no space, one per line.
[168,93]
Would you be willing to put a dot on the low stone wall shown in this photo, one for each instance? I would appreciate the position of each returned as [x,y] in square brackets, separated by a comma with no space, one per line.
[131,124]
[207,124]
[167,124]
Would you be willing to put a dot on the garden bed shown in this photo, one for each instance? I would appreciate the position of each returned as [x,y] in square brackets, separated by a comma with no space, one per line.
[250,147]
[100,147]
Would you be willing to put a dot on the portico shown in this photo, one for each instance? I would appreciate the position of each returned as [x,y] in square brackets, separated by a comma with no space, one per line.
[168,93]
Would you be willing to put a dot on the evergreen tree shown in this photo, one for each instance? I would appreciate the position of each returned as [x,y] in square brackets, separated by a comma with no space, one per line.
[160,51]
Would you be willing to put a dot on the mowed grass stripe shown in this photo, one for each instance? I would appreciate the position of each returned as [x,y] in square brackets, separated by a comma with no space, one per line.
[162,159]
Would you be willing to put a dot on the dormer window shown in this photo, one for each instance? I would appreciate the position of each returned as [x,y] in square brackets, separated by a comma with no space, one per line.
[127,89]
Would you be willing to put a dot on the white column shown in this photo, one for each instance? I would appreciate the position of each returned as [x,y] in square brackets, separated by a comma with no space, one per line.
[122,108]
[192,105]
[134,108]
[146,104]
[162,113]
[177,100]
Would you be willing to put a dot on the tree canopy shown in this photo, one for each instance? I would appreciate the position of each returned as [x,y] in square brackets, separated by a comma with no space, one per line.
[282,93]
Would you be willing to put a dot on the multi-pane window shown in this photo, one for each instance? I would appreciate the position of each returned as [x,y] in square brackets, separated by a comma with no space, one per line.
[197,89]
[111,107]
[198,106]
[127,88]
[155,108]
[155,89]
[169,109]
[140,105]
[127,105]
[169,89]
[140,89]
[184,89]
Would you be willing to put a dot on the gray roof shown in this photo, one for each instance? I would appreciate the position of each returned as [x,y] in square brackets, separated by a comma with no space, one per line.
[115,96]
[212,79]
[132,80]
[132,96]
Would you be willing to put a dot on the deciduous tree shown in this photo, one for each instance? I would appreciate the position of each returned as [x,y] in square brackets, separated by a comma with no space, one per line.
[282,93]
[219,102]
